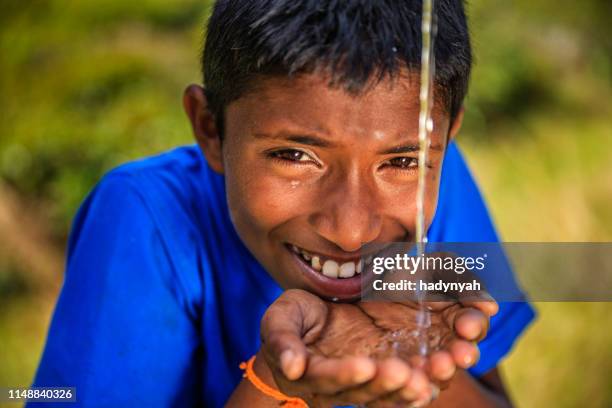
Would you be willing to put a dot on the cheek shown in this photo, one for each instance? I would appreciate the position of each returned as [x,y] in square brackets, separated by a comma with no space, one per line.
[259,202]
[401,203]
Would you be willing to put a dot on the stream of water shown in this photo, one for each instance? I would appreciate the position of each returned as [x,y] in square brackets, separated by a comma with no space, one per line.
[428,31]
[402,342]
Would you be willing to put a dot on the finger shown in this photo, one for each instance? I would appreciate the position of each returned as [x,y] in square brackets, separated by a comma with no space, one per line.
[479,299]
[465,354]
[391,375]
[485,303]
[286,351]
[441,366]
[416,392]
[471,324]
[333,375]
[285,326]
[427,397]
[468,323]
[417,387]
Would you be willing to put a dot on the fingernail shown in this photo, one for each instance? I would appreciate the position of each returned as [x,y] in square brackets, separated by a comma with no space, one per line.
[363,372]
[286,361]
[435,392]
[361,376]
[448,374]
[392,383]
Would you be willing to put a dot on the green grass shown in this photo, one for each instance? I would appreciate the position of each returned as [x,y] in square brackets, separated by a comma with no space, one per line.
[565,359]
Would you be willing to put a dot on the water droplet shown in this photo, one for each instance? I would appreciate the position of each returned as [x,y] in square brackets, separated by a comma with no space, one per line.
[430,125]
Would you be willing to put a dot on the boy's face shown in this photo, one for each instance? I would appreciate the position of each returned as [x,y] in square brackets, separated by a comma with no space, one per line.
[313,173]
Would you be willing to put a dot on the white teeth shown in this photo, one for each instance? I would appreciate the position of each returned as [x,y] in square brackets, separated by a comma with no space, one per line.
[316,263]
[347,270]
[359,268]
[330,269]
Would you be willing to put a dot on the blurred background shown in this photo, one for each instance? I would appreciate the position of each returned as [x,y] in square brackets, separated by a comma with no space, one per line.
[87,85]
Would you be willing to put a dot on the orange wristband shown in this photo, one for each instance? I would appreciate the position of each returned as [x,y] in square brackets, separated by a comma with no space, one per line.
[285,400]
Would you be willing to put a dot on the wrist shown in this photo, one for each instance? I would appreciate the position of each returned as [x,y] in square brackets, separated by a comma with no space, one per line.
[263,371]
[259,388]
[247,394]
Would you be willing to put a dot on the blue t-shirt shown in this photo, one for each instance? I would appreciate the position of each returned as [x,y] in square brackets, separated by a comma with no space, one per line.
[162,301]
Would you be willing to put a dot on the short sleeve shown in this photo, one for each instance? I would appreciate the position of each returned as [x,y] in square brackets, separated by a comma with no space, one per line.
[120,333]
[462,216]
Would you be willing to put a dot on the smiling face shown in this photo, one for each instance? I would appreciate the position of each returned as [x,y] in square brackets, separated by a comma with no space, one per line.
[314,173]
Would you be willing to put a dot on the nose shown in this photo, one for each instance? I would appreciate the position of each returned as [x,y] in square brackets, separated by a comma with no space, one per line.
[349,215]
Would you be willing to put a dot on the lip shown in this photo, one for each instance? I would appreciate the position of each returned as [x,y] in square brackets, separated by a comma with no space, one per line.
[340,258]
[344,289]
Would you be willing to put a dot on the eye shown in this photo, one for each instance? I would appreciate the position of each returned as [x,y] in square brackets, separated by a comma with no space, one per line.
[292,155]
[403,163]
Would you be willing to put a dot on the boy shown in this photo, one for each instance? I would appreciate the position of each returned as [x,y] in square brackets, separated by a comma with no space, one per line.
[306,152]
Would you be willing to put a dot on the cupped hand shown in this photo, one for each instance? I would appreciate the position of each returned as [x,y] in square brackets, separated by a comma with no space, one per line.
[368,352]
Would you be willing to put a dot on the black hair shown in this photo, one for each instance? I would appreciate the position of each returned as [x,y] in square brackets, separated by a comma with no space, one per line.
[358,42]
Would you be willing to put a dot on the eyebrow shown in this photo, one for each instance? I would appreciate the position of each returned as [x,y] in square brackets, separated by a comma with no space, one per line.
[408,148]
[312,140]
[305,139]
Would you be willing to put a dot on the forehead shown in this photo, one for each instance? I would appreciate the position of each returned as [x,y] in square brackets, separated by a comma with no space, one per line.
[391,106]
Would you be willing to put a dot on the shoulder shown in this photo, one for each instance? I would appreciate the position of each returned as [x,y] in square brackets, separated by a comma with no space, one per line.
[183,170]
[461,214]
[169,196]
[150,214]
[176,189]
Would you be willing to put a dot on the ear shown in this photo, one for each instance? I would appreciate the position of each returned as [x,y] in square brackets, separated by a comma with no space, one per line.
[456,125]
[203,125]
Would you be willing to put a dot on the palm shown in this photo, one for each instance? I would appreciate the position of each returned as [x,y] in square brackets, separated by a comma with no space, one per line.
[382,329]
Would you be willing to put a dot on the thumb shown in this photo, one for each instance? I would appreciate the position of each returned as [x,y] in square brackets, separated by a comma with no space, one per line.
[290,323]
